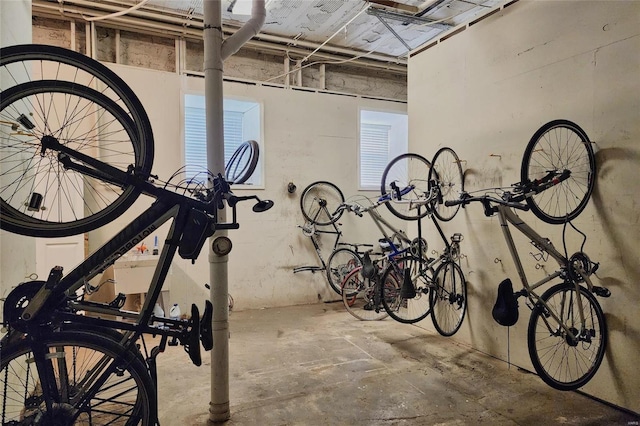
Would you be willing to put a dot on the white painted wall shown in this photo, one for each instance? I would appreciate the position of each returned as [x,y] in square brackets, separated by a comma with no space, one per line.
[486,91]
[307,137]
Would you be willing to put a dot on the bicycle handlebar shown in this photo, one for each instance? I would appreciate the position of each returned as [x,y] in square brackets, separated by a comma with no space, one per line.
[526,190]
[486,201]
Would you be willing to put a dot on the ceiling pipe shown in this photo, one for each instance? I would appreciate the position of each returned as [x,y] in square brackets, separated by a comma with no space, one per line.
[138,25]
[191,26]
[247,31]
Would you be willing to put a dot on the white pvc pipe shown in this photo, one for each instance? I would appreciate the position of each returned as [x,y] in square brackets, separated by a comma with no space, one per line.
[212,34]
[214,54]
[248,30]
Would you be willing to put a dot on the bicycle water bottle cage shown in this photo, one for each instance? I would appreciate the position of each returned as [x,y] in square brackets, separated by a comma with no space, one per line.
[198,228]
[368,270]
[505,310]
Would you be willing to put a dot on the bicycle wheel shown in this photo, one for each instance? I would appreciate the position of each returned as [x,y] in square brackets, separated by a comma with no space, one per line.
[407,171]
[361,298]
[448,300]
[242,163]
[94,381]
[562,361]
[319,203]
[340,263]
[447,178]
[71,131]
[557,146]
[405,289]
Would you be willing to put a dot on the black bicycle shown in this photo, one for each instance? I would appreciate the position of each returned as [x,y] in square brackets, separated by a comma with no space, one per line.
[76,150]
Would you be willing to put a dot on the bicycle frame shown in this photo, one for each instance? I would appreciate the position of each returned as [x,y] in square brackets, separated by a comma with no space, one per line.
[168,206]
[337,233]
[506,217]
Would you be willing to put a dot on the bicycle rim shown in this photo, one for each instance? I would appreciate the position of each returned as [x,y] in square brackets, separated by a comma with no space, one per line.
[78,362]
[446,175]
[564,362]
[242,163]
[407,170]
[448,299]
[557,146]
[341,262]
[319,202]
[360,299]
[59,105]
[404,274]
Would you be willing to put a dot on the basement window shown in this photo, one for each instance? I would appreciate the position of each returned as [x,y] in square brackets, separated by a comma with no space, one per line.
[383,136]
[242,122]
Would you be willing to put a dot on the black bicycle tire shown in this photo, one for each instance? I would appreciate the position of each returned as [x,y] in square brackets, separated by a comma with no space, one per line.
[385,297]
[138,114]
[539,312]
[246,171]
[385,187]
[337,286]
[145,406]
[562,186]
[434,293]
[309,217]
[447,194]
[20,222]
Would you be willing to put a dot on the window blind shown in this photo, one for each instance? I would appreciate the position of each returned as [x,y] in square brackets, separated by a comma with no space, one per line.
[374,153]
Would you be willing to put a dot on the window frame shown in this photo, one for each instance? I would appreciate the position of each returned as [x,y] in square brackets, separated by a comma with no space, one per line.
[398,139]
[256,134]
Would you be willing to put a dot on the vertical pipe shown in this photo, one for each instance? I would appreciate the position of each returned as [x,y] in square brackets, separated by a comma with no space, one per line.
[287,75]
[299,73]
[117,47]
[73,35]
[87,38]
[219,405]
[323,77]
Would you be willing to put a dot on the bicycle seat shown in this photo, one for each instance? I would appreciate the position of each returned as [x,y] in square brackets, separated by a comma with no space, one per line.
[368,269]
[505,310]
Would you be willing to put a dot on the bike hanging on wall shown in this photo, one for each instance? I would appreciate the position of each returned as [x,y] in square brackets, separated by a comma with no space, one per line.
[567,332]
[72,129]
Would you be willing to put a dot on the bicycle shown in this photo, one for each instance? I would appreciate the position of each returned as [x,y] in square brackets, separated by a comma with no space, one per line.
[411,188]
[567,331]
[72,127]
[313,202]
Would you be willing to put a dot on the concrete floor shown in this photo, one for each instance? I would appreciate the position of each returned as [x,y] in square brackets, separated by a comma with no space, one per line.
[317,365]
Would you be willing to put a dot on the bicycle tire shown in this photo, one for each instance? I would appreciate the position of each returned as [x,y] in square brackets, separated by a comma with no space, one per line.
[340,263]
[564,363]
[242,163]
[319,203]
[448,300]
[407,310]
[407,170]
[69,102]
[445,175]
[126,395]
[361,298]
[560,145]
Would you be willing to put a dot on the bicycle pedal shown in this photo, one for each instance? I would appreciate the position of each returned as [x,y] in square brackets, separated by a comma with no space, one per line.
[192,344]
[173,342]
[601,291]
[206,331]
